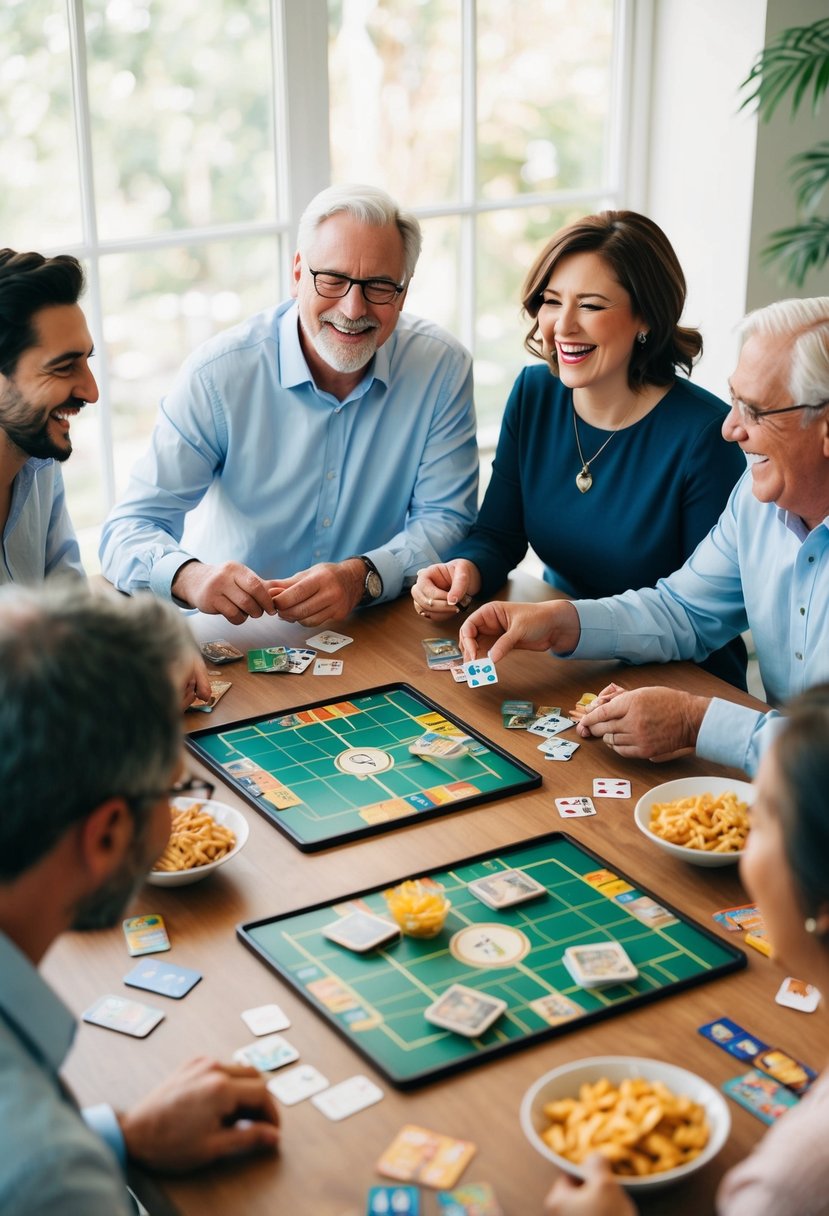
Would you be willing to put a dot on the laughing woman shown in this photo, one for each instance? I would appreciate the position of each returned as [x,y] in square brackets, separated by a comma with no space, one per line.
[613,467]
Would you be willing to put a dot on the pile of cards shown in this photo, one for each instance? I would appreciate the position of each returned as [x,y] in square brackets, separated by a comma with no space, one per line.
[442,747]
[220,651]
[599,964]
[506,888]
[465,1011]
[442,654]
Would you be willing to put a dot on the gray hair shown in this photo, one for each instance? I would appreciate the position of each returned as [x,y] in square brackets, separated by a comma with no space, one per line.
[806,323]
[88,709]
[369,205]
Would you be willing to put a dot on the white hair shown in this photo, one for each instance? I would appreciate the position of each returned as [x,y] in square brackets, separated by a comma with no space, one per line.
[369,205]
[806,323]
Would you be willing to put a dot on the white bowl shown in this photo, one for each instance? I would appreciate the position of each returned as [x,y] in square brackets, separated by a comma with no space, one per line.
[564,1082]
[228,817]
[690,787]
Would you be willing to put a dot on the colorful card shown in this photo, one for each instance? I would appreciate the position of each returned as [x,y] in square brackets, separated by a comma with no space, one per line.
[782,1067]
[268,1053]
[761,1095]
[733,1038]
[550,724]
[419,1155]
[598,964]
[218,688]
[299,659]
[360,931]
[296,1084]
[558,749]
[157,975]
[347,1098]
[269,659]
[480,672]
[465,1011]
[444,747]
[328,641]
[746,916]
[508,708]
[328,667]
[125,1016]
[220,651]
[393,1201]
[458,673]
[441,650]
[519,721]
[605,787]
[575,808]
[505,888]
[146,934]
[472,1199]
[796,994]
[265,1019]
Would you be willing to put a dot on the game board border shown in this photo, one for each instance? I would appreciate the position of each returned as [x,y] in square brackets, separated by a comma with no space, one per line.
[533,777]
[738,962]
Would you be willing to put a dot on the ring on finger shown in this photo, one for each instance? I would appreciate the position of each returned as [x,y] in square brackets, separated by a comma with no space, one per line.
[609,740]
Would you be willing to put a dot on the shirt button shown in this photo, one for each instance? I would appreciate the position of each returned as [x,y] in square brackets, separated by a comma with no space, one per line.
[798,655]
[317,552]
[326,523]
[330,474]
[811,559]
[802,611]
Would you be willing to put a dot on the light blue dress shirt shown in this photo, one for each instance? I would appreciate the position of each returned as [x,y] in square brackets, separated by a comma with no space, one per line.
[50,1160]
[38,539]
[250,462]
[759,568]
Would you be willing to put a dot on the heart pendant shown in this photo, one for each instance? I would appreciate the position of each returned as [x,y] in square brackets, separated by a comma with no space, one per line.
[583,480]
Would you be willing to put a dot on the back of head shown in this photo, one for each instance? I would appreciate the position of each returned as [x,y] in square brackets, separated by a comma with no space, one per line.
[805,323]
[802,752]
[643,261]
[367,204]
[29,282]
[89,709]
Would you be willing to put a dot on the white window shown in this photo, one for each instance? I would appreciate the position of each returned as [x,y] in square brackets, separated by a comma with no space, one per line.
[171,145]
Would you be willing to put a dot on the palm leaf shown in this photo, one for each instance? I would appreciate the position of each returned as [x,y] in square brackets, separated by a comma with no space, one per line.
[797,58]
[799,249]
[810,175]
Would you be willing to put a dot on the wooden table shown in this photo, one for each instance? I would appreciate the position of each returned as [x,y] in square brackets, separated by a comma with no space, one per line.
[325,1169]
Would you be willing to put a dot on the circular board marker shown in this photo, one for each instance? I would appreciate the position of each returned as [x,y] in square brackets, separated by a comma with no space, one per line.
[489,945]
[363,761]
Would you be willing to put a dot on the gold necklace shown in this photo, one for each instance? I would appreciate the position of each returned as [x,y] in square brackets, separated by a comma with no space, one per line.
[584,478]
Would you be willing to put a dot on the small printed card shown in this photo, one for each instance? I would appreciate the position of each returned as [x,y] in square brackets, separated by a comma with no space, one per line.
[558,749]
[159,975]
[598,964]
[393,1201]
[220,651]
[265,1019]
[299,659]
[575,808]
[549,725]
[471,1199]
[732,1038]
[480,672]
[267,1054]
[146,934]
[419,1155]
[328,667]
[604,787]
[465,1011]
[795,994]
[505,888]
[361,931]
[218,688]
[269,659]
[126,1016]
[328,641]
[764,1097]
[347,1098]
[296,1084]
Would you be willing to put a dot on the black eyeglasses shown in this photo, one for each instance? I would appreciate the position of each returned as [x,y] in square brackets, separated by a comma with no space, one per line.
[749,414]
[196,786]
[335,286]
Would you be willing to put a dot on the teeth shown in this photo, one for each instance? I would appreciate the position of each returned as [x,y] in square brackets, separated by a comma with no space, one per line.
[570,349]
[754,457]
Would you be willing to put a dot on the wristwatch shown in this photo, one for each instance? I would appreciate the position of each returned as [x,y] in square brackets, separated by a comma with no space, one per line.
[373,585]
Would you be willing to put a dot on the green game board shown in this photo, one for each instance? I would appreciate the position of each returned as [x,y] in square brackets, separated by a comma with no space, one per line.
[338,770]
[376,1000]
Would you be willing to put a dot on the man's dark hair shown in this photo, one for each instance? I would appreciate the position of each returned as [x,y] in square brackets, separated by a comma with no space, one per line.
[29,282]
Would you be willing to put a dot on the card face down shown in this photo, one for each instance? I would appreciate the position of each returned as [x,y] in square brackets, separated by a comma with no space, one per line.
[599,964]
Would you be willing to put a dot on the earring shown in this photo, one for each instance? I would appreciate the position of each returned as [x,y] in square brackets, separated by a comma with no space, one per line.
[641,337]
[810,924]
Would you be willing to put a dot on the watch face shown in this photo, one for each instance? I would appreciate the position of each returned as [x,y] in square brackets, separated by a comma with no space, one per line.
[374,584]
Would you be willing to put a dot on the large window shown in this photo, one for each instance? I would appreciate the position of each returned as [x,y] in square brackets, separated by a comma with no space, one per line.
[172,143]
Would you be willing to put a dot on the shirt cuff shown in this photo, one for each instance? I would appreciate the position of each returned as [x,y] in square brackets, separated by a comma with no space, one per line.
[388,567]
[165,570]
[599,635]
[728,735]
[103,1121]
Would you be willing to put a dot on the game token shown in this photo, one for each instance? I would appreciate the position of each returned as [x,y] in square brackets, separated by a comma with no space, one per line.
[419,1155]
[505,888]
[465,1011]
[360,931]
[599,964]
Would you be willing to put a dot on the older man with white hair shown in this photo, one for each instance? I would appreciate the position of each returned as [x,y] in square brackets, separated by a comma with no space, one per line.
[764,566]
[314,457]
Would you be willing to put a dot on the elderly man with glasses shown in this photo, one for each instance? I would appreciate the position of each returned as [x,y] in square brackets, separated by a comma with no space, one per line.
[316,456]
[764,567]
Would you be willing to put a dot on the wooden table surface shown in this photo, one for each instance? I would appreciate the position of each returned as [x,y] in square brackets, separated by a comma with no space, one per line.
[324,1168]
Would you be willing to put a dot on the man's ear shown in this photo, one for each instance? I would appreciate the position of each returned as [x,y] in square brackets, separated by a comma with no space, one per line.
[296,272]
[104,838]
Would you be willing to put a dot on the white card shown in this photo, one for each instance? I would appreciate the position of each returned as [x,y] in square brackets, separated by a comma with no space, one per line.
[296,1084]
[328,667]
[480,672]
[796,994]
[347,1098]
[268,1053]
[458,673]
[558,749]
[298,660]
[575,808]
[328,641]
[604,787]
[265,1019]
[551,724]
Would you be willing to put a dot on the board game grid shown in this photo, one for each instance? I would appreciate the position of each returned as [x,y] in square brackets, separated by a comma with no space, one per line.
[286,765]
[376,1000]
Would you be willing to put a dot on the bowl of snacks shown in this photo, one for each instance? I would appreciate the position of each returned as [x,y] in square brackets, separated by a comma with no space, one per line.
[419,907]
[204,835]
[656,1123]
[703,820]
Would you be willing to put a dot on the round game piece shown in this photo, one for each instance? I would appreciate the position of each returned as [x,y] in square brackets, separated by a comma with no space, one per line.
[363,761]
[489,945]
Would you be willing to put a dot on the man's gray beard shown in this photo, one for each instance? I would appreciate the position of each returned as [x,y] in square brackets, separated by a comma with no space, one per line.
[348,359]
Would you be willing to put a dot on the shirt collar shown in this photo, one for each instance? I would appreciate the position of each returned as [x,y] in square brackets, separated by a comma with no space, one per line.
[293,369]
[36,1014]
[796,525]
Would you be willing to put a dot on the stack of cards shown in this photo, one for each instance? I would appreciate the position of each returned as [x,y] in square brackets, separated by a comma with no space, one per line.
[220,651]
[270,659]
[465,1011]
[442,747]
[441,653]
[360,931]
[506,888]
[599,965]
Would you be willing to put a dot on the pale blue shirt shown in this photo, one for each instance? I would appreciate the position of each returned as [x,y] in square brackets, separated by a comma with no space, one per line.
[50,1160]
[759,568]
[250,462]
[38,539]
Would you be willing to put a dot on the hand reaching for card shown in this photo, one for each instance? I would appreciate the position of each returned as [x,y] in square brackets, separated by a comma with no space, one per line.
[442,590]
[203,1112]
[599,1194]
[499,627]
[649,723]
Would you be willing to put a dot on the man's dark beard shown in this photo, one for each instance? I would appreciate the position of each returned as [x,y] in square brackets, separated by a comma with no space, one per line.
[30,436]
[105,907]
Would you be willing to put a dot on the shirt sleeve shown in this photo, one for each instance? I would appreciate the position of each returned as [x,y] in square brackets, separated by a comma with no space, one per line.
[736,735]
[102,1120]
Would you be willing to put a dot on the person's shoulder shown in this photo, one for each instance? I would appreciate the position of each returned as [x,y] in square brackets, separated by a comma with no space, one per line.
[696,402]
[247,336]
[426,335]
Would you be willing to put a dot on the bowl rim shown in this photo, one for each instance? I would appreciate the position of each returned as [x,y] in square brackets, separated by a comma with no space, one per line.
[714,1101]
[239,825]
[745,790]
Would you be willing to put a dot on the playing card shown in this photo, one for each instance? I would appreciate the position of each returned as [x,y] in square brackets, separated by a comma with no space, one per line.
[471,1199]
[419,1155]
[480,672]
[506,888]
[598,964]
[268,1053]
[604,787]
[575,808]
[549,725]
[761,1095]
[299,659]
[146,934]
[786,1069]
[558,749]
[220,651]
[446,747]
[360,931]
[328,667]
[441,650]
[458,673]
[158,975]
[746,916]
[347,1098]
[265,1019]
[733,1038]
[328,641]
[126,1016]
[218,688]
[269,659]
[296,1084]
[519,721]
[393,1201]
[795,994]
[465,1011]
